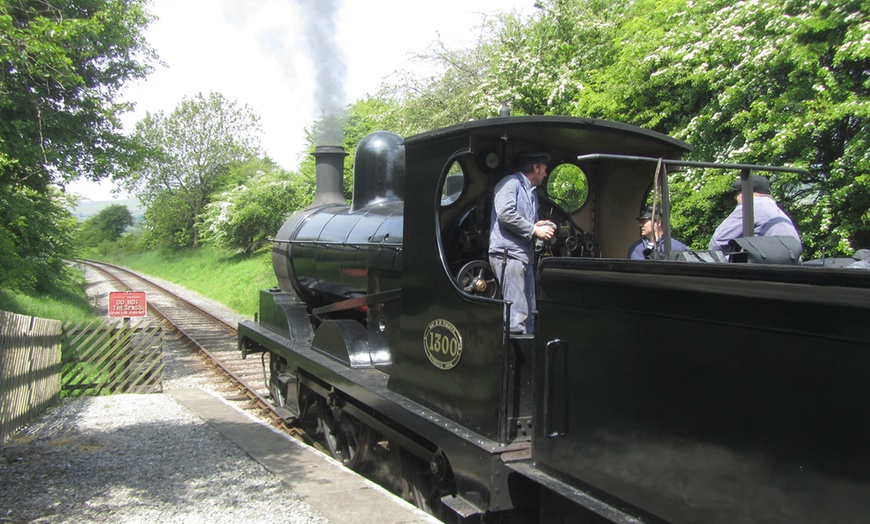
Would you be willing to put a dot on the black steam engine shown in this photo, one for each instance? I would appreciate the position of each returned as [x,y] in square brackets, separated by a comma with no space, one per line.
[690,389]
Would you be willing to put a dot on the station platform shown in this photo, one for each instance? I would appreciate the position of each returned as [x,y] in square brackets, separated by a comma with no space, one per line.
[340,495]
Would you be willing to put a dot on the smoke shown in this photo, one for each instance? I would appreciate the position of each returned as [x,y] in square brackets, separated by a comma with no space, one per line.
[284,27]
[319,34]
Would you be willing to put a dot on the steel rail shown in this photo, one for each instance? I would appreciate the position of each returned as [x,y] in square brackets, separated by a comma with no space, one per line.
[265,407]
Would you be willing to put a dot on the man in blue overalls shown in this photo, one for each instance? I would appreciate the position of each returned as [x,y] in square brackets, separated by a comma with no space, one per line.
[515,225]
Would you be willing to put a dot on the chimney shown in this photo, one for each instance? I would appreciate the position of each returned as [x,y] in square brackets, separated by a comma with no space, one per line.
[329,175]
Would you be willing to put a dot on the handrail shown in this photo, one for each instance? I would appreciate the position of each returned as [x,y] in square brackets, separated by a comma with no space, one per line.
[745,171]
[691,163]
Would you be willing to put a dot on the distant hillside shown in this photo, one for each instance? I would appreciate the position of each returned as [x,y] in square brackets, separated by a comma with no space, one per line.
[87,209]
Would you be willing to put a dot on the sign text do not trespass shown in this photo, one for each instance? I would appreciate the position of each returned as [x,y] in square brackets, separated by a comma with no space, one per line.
[127,304]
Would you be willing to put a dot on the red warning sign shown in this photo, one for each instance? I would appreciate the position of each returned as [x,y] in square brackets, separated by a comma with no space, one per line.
[127,304]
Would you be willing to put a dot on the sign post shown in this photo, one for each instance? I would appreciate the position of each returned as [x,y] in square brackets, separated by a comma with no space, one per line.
[127,304]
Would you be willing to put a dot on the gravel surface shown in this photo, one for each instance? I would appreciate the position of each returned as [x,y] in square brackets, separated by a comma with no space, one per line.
[138,458]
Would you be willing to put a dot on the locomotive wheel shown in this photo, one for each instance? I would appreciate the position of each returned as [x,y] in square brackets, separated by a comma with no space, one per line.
[347,439]
[477,278]
[419,486]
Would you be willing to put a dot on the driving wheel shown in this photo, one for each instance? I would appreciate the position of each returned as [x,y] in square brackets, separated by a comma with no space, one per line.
[419,487]
[347,439]
[477,278]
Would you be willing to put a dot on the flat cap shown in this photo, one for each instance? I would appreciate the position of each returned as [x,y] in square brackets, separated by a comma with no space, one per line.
[536,157]
[647,214]
[760,184]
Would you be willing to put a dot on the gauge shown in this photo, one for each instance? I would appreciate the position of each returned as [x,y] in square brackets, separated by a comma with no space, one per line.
[489,160]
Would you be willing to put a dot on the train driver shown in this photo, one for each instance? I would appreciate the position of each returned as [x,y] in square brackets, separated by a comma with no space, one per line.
[652,237]
[515,225]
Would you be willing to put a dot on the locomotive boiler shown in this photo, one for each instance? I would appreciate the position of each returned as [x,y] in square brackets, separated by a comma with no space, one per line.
[692,388]
[334,257]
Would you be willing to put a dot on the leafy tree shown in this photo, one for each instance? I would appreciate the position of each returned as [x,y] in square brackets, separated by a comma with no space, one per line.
[62,64]
[107,225]
[472,83]
[35,237]
[622,82]
[537,66]
[185,158]
[541,65]
[451,95]
[782,83]
[246,217]
[762,82]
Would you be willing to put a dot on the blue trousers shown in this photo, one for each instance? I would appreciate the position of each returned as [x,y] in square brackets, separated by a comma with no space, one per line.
[519,289]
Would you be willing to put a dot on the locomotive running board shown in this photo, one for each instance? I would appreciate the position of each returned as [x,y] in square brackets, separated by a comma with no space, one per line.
[460,506]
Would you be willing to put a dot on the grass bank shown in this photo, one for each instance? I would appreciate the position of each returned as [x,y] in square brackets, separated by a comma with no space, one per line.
[231,279]
[67,302]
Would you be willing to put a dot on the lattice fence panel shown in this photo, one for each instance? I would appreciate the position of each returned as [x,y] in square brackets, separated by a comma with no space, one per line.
[106,359]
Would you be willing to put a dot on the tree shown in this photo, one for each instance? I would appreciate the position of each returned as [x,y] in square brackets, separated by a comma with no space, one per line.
[35,237]
[762,82]
[537,66]
[185,157]
[247,216]
[62,64]
[782,83]
[107,225]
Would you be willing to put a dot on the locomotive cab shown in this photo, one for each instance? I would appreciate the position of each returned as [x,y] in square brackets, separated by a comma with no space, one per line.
[449,294]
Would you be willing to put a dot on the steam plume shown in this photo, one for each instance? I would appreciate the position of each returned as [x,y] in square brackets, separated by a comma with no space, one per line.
[320,29]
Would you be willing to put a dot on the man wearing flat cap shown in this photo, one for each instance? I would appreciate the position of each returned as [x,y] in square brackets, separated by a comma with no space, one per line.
[515,225]
[652,237]
[770,220]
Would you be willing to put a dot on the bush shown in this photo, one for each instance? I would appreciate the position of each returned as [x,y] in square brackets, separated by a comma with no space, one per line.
[35,232]
[244,218]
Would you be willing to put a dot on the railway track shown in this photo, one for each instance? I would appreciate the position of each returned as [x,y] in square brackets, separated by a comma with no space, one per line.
[214,338]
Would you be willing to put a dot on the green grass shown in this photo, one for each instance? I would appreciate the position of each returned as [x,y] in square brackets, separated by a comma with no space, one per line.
[231,279]
[68,302]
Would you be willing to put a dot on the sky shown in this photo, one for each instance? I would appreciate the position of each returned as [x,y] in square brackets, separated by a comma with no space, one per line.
[265,54]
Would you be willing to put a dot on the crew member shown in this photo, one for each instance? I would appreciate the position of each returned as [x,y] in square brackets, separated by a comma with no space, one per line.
[770,220]
[515,225]
[652,237]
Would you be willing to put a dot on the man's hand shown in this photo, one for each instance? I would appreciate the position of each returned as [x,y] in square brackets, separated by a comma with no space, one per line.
[545,229]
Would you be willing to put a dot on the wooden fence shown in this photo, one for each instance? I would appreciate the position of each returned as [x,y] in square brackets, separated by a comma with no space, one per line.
[105,359]
[30,356]
[42,360]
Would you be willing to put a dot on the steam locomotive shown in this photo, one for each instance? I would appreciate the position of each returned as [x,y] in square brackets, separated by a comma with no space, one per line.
[694,388]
